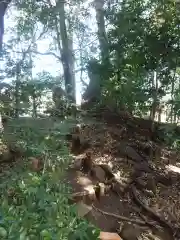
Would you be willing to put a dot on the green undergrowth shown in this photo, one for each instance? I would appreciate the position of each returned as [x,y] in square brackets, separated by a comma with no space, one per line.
[35,205]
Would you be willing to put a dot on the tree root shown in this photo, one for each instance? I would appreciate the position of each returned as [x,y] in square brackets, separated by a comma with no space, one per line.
[151,224]
[153,214]
[138,222]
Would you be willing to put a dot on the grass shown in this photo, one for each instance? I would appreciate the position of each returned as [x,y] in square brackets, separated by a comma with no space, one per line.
[35,205]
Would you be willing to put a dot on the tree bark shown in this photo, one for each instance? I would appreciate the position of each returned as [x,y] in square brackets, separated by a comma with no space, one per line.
[34,110]
[99,7]
[66,54]
[3,6]
[172,98]
[17,95]
[72,65]
[93,91]
[155,102]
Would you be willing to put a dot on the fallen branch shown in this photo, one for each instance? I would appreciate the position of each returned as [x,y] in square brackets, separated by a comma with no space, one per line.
[153,214]
[151,224]
[139,222]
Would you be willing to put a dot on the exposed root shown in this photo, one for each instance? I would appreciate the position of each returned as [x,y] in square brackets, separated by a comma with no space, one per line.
[122,218]
[151,212]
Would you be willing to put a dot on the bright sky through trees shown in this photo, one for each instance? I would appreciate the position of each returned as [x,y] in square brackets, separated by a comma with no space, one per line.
[41,62]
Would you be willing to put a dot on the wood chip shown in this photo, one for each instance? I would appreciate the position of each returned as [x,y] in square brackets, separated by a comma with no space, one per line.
[109,236]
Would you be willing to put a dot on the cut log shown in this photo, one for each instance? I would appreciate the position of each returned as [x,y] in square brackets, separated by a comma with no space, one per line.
[109,236]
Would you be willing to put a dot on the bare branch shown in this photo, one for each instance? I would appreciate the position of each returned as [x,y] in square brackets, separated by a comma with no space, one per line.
[48,53]
[45,30]
[84,83]
[40,53]
[88,44]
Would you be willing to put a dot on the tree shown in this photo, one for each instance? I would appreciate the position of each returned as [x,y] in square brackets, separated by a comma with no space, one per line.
[144,54]
[131,52]
[3,7]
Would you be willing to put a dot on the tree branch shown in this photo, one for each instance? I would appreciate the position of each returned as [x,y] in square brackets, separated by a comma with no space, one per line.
[48,53]
[88,44]
[40,53]
[84,83]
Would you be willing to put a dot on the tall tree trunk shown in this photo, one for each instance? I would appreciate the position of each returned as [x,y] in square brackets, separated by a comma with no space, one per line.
[155,102]
[160,111]
[72,65]
[17,95]
[18,83]
[172,98]
[34,99]
[93,91]
[99,7]
[153,109]
[65,51]
[34,111]
[3,7]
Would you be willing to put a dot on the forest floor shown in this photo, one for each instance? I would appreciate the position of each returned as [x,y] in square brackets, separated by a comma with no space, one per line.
[121,181]
[125,183]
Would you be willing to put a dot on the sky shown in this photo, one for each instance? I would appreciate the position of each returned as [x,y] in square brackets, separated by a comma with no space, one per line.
[42,62]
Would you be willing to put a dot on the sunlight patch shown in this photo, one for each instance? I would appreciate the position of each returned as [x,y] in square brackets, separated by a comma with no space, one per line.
[173,168]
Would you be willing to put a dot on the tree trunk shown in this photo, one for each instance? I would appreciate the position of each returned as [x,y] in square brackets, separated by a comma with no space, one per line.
[66,54]
[159,111]
[72,65]
[93,92]
[172,98]
[17,95]
[155,102]
[33,95]
[18,83]
[154,106]
[99,7]
[3,7]
[34,110]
